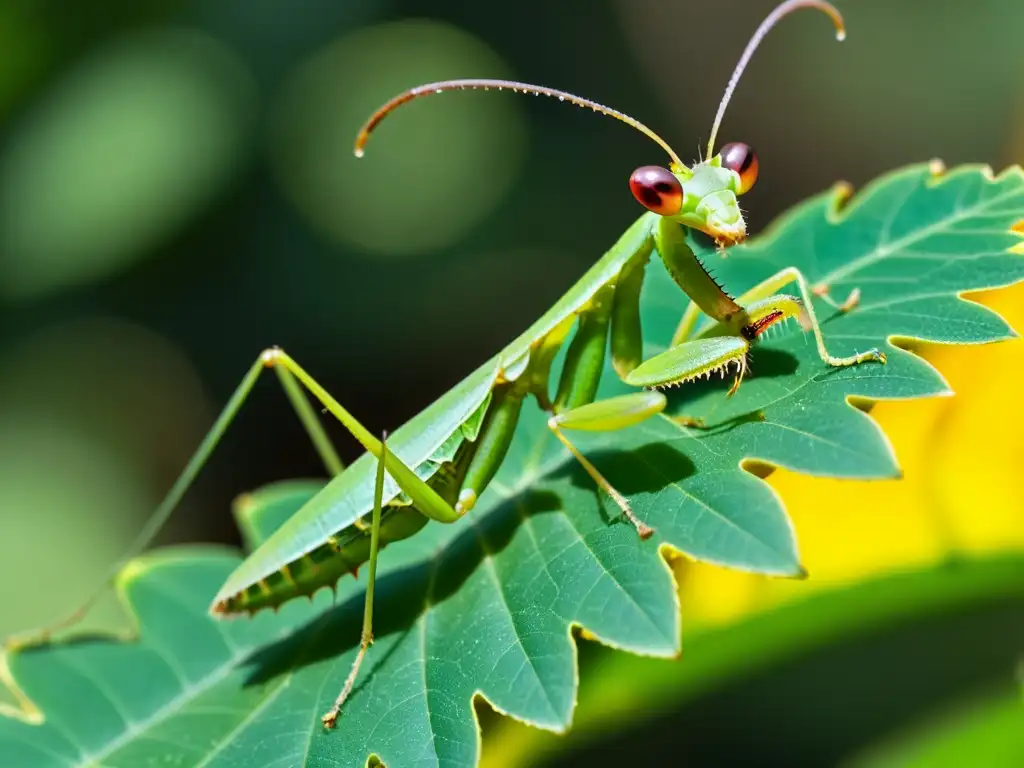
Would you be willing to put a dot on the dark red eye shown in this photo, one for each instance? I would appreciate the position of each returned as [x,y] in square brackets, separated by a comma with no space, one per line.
[657,189]
[742,159]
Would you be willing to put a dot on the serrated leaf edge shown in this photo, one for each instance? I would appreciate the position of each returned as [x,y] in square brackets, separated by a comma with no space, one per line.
[844,200]
[26,711]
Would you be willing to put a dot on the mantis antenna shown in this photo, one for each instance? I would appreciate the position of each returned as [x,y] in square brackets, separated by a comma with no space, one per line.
[516,87]
[770,21]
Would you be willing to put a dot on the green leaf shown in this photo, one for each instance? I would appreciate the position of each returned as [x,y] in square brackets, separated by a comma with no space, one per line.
[486,606]
[988,730]
[623,692]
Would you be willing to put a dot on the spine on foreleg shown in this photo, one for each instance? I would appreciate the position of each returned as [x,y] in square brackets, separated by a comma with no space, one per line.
[690,275]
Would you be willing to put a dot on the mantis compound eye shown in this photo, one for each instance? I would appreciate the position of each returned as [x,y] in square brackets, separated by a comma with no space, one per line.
[657,189]
[742,159]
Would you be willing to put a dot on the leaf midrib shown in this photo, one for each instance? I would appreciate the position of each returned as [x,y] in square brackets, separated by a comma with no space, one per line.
[699,502]
[538,472]
[135,728]
[189,691]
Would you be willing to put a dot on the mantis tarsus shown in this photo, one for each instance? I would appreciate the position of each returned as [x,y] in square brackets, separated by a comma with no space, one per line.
[439,463]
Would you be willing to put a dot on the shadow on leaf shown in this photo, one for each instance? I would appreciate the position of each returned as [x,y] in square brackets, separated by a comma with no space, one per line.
[397,607]
[772,363]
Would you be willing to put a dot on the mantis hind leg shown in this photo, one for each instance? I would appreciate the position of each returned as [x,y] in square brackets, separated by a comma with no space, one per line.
[288,372]
[330,718]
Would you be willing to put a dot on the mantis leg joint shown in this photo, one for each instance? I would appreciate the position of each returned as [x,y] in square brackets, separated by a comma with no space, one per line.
[850,302]
[467,500]
[270,356]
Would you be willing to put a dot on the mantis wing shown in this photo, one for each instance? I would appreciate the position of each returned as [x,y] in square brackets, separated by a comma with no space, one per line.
[349,496]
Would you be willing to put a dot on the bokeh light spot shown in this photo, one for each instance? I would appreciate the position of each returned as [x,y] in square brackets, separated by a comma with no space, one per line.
[67,502]
[97,417]
[431,172]
[117,157]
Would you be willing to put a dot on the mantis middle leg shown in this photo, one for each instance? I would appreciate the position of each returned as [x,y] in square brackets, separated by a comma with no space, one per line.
[721,347]
[686,362]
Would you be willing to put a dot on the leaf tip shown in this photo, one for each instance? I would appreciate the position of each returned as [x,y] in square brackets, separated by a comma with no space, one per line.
[25,709]
[133,570]
[842,193]
[1018,229]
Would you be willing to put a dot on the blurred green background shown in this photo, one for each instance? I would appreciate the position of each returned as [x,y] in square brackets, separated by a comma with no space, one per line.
[177,192]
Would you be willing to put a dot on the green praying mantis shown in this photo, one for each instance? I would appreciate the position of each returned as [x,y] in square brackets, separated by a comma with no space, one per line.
[436,466]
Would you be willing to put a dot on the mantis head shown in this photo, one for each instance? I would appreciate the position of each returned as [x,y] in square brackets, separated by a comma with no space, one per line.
[704,197]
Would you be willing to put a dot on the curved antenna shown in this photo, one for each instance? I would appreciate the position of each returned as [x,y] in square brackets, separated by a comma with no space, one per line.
[770,21]
[486,85]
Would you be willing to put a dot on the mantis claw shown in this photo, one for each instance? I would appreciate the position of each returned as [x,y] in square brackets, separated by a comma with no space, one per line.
[689,421]
[849,303]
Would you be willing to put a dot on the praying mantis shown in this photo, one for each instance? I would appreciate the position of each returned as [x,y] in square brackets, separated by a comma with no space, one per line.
[437,465]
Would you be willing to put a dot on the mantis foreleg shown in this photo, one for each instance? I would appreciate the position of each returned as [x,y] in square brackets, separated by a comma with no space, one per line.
[720,347]
[759,303]
[679,364]
[692,313]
